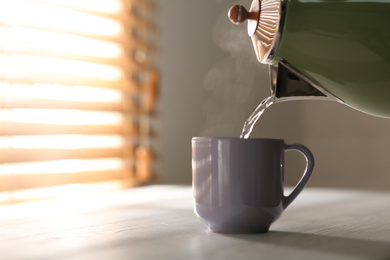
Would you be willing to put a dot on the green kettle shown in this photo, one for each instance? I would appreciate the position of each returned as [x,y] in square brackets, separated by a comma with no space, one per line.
[325,49]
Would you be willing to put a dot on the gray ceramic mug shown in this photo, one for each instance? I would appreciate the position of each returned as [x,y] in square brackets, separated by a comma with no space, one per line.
[238,183]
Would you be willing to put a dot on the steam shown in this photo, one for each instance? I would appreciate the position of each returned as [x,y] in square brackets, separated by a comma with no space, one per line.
[232,82]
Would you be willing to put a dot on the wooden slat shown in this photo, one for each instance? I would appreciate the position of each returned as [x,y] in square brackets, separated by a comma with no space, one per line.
[40,129]
[30,155]
[17,39]
[60,104]
[58,78]
[35,19]
[20,65]
[78,5]
[26,76]
[42,52]
[17,182]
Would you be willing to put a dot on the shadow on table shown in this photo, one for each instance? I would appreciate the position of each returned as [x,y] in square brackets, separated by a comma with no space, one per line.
[338,245]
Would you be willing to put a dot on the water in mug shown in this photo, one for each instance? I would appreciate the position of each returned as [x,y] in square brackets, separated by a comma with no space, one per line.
[250,123]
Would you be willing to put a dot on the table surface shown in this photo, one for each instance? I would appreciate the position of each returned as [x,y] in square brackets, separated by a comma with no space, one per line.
[157,222]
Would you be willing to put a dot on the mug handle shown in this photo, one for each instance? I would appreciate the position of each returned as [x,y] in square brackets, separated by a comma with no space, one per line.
[306,174]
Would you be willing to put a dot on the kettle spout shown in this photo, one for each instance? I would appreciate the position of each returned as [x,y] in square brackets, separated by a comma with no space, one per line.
[287,83]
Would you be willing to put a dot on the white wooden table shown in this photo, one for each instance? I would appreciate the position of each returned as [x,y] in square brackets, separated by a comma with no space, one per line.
[157,222]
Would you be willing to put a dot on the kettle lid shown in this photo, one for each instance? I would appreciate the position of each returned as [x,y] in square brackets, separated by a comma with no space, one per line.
[263,25]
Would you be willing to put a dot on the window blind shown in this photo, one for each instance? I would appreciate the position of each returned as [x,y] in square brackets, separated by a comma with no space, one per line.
[78,87]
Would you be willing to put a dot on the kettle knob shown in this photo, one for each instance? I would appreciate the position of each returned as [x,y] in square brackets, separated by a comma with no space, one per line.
[238,14]
[263,18]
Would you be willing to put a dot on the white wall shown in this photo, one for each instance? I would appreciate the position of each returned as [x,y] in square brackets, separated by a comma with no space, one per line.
[187,53]
[211,83]
[351,148]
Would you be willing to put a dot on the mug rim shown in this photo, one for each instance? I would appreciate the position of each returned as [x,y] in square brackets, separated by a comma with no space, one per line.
[203,138]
